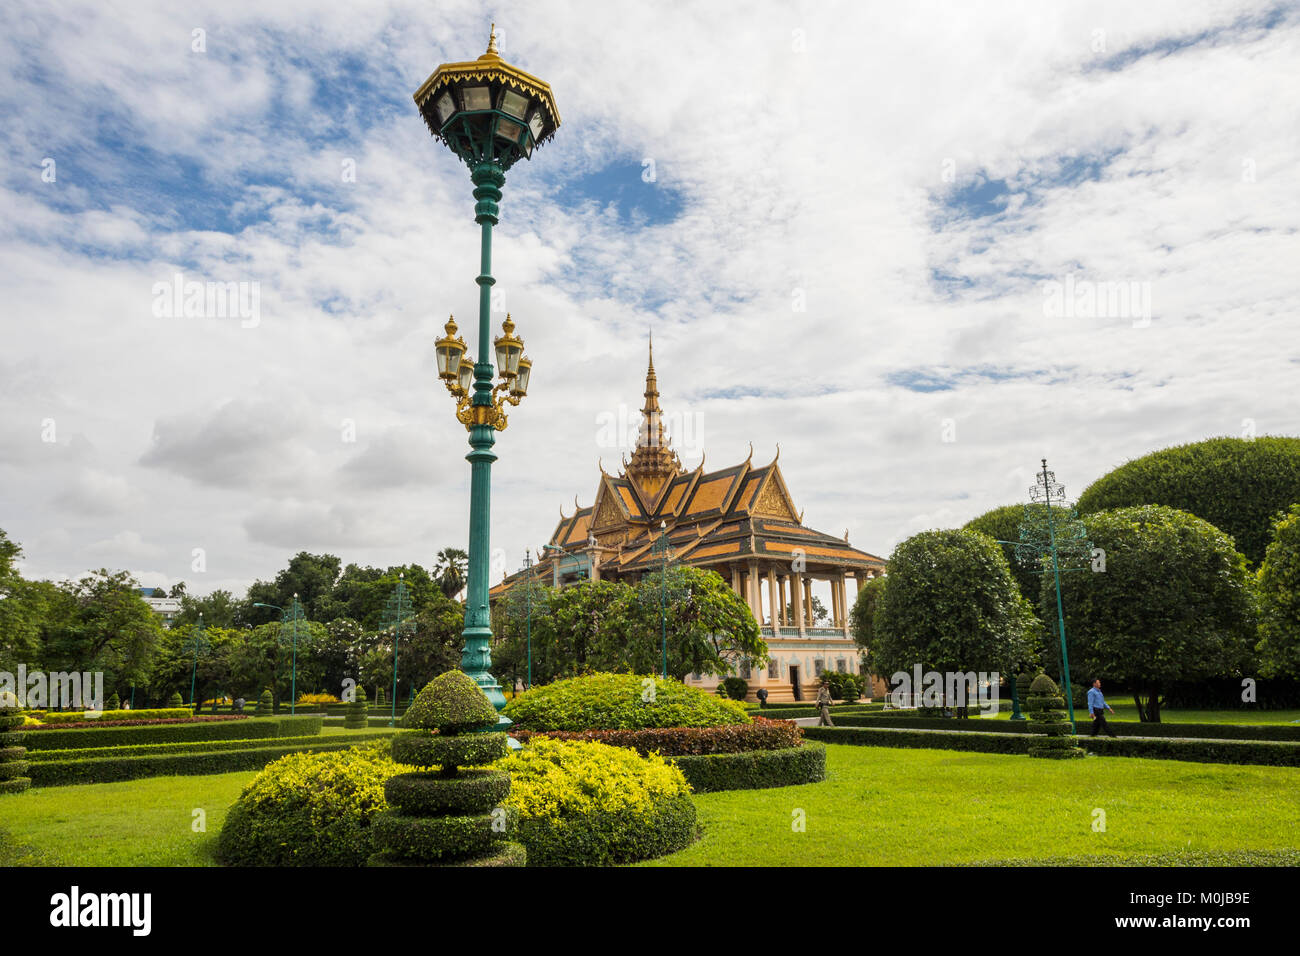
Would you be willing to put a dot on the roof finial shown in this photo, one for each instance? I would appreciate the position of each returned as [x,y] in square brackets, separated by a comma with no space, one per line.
[492,41]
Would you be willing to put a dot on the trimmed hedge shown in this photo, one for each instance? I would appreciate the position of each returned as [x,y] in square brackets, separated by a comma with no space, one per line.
[1122,728]
[1266,753]
[195,746]
[79,716]
[422,749]
[923,739]
[426,794]
[308,810]
[406,837]
[762,734]
[754,769]
[510,854]
[191,729]
[788,712]
[212,729]
[599,839]
[53,773]
[622,702]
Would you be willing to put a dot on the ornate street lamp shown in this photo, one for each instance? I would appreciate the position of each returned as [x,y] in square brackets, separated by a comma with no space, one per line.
[290,617]
[1053,542]
[398,614]
[491,115]
[199,644]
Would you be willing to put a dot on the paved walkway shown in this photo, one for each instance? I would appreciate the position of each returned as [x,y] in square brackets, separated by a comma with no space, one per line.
[812,722]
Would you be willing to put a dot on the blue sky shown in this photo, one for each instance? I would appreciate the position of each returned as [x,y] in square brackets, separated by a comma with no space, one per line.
[845,227]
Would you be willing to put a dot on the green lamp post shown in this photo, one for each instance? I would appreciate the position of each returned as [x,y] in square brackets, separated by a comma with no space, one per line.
[490,115]
[290,617]
[398,614]
[199,644]
[662,547]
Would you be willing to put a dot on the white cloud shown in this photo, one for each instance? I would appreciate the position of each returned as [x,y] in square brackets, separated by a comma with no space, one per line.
[818,169]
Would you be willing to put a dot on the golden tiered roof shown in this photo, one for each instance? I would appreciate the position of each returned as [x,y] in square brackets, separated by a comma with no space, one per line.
[741,513]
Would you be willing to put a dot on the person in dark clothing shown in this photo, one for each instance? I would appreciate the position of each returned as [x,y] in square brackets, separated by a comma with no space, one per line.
[1097,707]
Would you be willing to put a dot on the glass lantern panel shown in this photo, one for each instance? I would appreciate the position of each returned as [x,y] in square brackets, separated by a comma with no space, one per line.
[445,106]
[466,374]
[535,124]
[514,104]
[477,98]
[444,360]
[510,131]
[521,380]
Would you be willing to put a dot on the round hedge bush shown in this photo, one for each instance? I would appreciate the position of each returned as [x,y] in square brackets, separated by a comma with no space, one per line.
[621,702]
[426,794]
[451,703]
[404,837]
[422,749]
[589,804]
[1236,484]
[309,810]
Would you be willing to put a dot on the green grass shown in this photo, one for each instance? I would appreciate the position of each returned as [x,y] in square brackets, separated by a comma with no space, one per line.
[134,823]
[878,806]
[881,806]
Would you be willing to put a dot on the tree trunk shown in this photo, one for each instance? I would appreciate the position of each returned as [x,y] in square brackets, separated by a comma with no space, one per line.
[1148,710]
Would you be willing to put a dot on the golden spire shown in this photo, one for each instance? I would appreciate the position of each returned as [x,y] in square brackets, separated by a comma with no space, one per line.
[653,461]
[492,52]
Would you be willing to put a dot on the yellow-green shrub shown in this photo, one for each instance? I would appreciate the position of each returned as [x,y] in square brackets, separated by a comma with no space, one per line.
[589,804]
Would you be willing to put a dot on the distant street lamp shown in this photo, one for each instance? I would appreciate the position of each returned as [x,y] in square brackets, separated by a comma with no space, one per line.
[397,613]
[1046,539]
[291,617]
[661,548]
[490,115]
[197,642]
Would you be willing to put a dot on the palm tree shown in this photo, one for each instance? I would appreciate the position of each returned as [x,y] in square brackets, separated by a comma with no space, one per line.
[449,571]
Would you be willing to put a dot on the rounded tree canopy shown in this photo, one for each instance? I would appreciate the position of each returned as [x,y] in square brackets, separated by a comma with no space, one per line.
[450,703]
[1174,601]
[1237,484]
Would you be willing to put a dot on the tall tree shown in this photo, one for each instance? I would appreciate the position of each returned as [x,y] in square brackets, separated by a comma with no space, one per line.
[450,569]
[950,604]
[1279,598]
[1173,604]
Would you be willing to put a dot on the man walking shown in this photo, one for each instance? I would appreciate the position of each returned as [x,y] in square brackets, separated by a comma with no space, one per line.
[1097,707]
[824,703]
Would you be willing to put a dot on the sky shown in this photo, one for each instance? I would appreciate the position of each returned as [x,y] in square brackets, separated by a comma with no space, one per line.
[919,246]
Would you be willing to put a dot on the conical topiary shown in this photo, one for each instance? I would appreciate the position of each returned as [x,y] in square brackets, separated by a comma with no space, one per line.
[380,699]
[356,713]
[12,765]
[1053,732]
[450,704]
[114,702]
[1022,687]
[175,700]
[447,814]
[265,705]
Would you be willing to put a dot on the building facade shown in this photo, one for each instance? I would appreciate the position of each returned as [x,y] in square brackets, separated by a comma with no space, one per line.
[741,522]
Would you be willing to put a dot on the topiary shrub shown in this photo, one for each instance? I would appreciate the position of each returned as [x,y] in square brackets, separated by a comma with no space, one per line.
[309,810]
[621,702]
[1047,719]
[450,703]
[843,686]
[13,768]
[175,700]
[113,703]
[737,688]
[443,814]
[356,712]
[265,704]
[588,804]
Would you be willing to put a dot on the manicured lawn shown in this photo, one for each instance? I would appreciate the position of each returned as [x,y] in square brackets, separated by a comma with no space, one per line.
[880,806]
[134,823]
